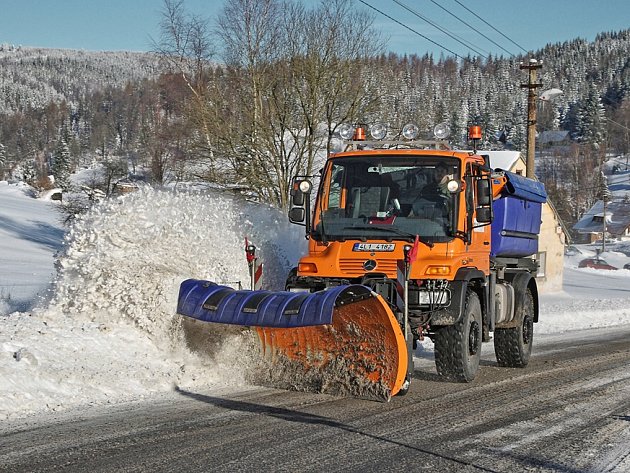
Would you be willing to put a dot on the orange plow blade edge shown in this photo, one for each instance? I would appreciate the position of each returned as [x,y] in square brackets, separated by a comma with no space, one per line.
[342,341]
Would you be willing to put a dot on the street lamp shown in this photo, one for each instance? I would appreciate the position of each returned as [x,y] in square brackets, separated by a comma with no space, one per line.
[548,96]
[551,94]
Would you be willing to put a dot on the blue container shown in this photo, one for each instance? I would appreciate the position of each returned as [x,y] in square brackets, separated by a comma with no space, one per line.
[517,217]
[515,227]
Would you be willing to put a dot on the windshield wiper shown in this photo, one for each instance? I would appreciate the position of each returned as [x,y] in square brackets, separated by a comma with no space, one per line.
[396,231]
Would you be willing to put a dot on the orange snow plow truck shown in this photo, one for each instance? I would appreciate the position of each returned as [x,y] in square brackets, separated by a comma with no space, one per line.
[407,239]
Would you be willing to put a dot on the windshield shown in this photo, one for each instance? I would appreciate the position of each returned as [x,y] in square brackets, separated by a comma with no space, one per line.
[388,197]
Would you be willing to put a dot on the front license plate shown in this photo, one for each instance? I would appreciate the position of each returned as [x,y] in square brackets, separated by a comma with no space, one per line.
[374,247]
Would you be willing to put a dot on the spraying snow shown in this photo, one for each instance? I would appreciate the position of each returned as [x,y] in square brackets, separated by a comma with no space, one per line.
[125,259]
[109,332]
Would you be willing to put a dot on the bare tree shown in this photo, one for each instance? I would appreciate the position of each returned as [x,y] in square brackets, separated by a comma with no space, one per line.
[291,75]
[327,47]
[303,77]
[251,36]
[186,47]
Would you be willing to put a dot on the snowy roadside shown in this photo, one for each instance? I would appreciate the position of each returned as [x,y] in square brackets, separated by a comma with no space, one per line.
[107,334]
[31,232]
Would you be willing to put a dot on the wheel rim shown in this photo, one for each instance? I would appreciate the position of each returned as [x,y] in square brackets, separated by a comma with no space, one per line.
[473,338]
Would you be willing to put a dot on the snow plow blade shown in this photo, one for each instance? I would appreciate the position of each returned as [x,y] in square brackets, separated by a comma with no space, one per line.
[344,340]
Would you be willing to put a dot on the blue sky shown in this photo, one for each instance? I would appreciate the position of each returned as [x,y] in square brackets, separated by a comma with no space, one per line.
[129,24]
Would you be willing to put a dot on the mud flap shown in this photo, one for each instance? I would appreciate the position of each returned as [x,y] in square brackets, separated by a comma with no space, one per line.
[345,336]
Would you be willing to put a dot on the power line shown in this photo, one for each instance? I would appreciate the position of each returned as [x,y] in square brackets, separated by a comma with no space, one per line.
[443,30]
[516,44]
[411,29]
[618,124]
[472,27]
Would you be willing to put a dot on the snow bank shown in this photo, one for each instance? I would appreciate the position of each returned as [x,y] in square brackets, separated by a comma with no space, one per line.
[562,315]
[31,231]
[109,332]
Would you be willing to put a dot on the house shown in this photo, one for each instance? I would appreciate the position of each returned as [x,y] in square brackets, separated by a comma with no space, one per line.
[553,138]
[617,218]
[553,235]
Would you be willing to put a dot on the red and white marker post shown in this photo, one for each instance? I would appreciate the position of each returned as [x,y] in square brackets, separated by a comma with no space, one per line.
[255,268]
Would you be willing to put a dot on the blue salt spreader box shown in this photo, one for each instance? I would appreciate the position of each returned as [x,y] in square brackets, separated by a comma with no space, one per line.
[517,217]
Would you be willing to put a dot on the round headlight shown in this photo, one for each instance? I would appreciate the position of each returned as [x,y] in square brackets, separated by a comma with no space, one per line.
[452,186]
[441,130]
[305,186]
[378,131]
[410,131]
[346,131]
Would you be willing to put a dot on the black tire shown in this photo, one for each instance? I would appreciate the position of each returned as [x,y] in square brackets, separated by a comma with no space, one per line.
[291,279]
[513,346]
[405,388]
[458,347]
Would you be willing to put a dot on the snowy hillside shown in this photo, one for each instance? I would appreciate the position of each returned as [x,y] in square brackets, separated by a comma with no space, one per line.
[107,332]
[34,77]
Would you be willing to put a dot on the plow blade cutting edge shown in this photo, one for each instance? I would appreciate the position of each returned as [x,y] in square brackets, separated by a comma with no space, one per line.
[346,334]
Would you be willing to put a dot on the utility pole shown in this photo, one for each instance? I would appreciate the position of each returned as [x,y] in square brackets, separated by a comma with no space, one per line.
[606,197]
[604,231]
[532,96]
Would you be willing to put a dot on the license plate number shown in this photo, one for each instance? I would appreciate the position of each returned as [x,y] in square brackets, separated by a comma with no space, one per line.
[374,247]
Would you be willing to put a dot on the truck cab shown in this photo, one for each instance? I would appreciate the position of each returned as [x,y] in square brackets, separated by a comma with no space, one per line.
[375,201]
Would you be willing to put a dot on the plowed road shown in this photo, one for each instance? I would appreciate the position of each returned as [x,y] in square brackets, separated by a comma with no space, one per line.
[569,411]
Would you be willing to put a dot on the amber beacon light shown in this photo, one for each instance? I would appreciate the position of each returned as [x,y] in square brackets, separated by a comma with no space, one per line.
[474,135]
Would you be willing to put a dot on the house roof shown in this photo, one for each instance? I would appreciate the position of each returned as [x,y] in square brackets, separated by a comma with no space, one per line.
[502,159]
[552,136]
[617,218]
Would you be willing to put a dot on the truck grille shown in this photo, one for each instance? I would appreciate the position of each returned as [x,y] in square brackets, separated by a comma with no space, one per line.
[354,267]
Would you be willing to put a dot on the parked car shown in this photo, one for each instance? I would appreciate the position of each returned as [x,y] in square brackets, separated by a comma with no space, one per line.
[595,263]
[626,266]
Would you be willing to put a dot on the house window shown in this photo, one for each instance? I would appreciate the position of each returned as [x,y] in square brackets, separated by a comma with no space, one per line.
[541,257]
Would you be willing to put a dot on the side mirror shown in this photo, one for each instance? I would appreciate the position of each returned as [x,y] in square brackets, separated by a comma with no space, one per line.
[483,210]
[484,214]
[300,202]
[297,215]
[484,193]
[297,198]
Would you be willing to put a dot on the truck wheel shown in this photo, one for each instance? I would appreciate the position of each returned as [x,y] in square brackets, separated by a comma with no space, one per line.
[291,279]
[458,347]
[405,387]
[513,346]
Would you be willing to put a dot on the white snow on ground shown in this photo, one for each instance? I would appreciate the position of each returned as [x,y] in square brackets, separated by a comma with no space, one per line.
[105,332]
[31,232]
[591,297]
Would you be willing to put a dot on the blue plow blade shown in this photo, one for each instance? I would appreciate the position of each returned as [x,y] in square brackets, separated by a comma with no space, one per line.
[210,302]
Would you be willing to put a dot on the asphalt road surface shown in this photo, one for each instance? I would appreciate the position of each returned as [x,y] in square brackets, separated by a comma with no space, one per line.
[569,411]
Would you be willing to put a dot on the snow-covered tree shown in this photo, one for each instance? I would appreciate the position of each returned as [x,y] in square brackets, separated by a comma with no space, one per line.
[61,164]
[29,172]
[591,123]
